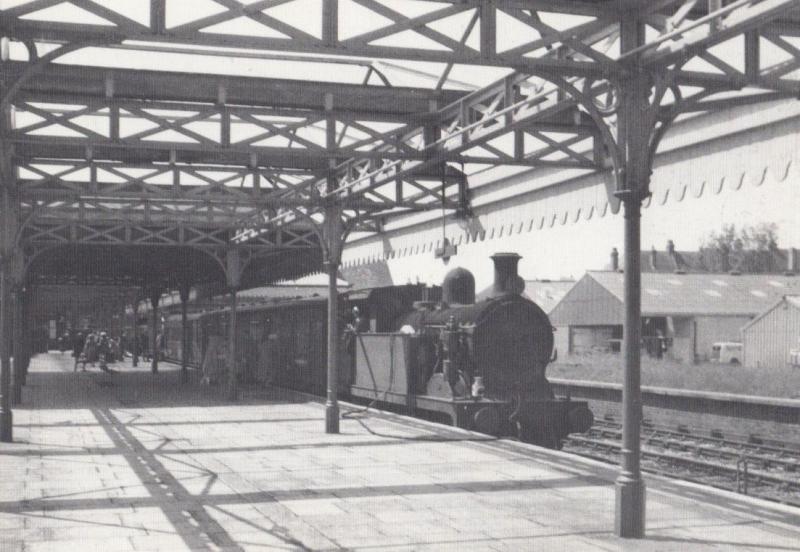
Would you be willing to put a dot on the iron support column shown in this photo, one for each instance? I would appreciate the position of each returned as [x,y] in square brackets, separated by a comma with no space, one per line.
[155,296]
[630,489]
[333,235]
[135,333]
[6,416]
[331,402]
[8,229]
[233,384]
[184,293]
[25,328]
[636,140]
[233,276]
[16,346]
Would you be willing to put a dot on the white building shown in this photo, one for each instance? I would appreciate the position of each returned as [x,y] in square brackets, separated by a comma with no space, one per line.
[770,336]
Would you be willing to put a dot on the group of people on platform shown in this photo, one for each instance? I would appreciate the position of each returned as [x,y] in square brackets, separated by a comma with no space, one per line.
[99,347]
[92,347]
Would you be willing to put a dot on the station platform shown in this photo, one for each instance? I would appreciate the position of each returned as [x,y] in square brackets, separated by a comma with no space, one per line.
[138,461]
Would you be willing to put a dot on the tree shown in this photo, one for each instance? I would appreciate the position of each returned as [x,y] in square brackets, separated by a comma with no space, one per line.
[747,249]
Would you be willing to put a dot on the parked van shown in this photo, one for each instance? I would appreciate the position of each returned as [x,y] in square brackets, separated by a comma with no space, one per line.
[727,353]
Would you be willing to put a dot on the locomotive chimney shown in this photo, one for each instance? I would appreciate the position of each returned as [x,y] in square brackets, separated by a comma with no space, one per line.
[614,259]
[506,279]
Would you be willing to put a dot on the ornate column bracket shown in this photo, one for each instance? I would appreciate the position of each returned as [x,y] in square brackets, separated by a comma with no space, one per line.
[639,125]
[632,112]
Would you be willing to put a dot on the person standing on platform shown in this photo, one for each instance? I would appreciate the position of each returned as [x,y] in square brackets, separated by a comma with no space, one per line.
[116,349]
[90,349]
[77,349]
[103,351]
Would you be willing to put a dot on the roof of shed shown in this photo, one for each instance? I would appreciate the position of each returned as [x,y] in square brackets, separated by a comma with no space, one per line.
[699,294]
[791,300]
[308,286]
[368,276]
[547,293]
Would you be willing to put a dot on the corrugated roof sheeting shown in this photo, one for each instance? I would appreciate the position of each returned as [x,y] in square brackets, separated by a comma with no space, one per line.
[370,275]
[266,293]
[547,294]
[315,279]
[307,286]
[792,301]
[687,294]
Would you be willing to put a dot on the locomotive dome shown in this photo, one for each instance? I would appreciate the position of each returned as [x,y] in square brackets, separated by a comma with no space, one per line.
[458,287]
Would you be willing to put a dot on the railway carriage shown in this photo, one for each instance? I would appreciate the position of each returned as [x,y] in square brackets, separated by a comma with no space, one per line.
[428,351]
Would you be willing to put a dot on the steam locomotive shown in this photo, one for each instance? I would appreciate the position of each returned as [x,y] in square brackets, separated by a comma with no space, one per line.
[433,352]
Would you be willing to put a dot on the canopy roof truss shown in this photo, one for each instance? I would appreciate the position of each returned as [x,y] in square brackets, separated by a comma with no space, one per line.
[115,147]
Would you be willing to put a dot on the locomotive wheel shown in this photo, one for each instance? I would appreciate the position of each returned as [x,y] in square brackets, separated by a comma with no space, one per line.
[487,420]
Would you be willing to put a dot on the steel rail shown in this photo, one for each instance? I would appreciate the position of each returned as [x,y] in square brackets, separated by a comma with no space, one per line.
[726,449]
[752,480]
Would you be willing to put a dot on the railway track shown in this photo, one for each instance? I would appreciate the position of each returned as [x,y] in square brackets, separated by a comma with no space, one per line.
[757,467]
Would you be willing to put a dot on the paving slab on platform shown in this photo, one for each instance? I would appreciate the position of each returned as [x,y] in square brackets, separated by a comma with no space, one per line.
[135,461]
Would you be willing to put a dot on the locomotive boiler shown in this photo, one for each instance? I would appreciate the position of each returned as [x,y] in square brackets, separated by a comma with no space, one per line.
[480,363]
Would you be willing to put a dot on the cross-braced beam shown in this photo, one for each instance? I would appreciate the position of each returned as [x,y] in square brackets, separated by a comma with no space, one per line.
[519,120]
[420,31]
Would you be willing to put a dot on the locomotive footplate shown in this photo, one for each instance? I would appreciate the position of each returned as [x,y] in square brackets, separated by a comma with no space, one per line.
[483,415]
[479,414]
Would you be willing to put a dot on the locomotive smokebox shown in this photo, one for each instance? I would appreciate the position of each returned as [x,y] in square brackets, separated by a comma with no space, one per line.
[458,287]
[506,279]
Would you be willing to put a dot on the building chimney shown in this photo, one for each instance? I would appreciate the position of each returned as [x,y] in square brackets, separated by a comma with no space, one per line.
[614,259]
[791,261]
[653,258]
[506,278]
[670,247]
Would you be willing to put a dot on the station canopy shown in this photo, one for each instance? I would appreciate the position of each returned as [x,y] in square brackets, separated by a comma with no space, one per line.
[208,123]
